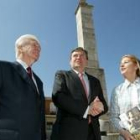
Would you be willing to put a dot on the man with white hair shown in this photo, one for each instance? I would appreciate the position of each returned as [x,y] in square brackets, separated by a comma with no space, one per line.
[22,113]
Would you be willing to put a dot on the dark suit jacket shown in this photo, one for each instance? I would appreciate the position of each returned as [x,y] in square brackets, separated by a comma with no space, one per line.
[21,107]
[71,101]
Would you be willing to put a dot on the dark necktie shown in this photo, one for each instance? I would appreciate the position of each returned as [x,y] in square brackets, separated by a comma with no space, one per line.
[29,71]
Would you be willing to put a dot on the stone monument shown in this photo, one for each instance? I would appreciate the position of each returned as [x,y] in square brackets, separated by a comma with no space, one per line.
[86,39]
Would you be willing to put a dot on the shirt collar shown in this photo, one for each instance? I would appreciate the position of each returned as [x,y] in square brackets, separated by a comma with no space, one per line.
[137,80]
[22,63]
[128,83]
[78,72]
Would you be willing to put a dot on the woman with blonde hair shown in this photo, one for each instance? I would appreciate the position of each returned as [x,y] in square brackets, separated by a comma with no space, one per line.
[126,95]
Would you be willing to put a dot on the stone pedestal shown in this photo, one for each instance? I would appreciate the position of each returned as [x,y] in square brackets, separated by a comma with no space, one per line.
[107,130]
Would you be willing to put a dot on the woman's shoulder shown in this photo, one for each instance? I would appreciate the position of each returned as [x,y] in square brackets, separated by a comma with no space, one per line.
[117,89]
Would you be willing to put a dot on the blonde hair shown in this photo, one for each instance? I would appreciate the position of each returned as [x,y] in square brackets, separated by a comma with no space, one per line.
[135,60]
[22,40]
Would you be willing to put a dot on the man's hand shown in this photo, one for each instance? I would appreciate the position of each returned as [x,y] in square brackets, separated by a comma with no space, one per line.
[96,107]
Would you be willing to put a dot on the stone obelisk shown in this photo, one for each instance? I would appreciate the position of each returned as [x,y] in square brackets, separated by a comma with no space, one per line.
[86,39]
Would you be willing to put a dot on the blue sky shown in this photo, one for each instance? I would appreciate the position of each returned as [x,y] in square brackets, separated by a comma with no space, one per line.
[117,30]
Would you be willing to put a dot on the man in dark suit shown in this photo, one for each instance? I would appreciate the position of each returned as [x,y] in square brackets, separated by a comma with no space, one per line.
[79,104]
[22,115]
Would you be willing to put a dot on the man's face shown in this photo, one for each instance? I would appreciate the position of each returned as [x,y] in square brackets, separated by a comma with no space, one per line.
[31,51]
[78,60]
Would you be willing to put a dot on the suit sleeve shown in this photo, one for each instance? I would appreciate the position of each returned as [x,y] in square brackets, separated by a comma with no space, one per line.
[0,76]
[63,100]
[101,97]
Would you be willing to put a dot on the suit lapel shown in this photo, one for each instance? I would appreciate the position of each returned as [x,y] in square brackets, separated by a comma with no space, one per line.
[22,72]
[38,83]
[91,89]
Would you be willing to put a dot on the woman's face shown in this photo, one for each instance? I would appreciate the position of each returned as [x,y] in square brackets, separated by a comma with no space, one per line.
[128,67]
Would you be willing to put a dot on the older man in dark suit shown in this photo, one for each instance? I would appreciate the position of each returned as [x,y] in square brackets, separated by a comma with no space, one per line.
[79,100]
[22,114]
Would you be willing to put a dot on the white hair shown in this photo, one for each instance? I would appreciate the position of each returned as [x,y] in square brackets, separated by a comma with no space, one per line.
[22,39]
